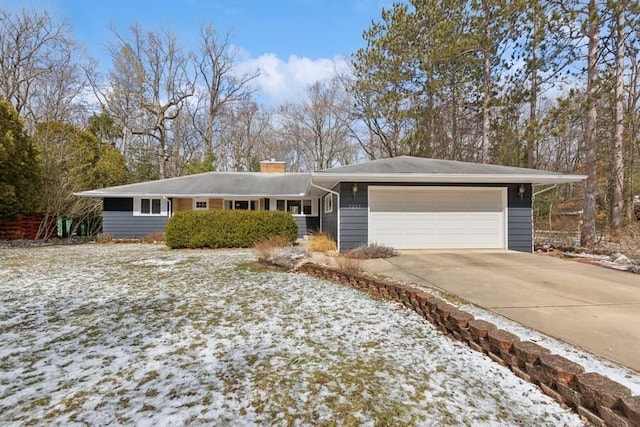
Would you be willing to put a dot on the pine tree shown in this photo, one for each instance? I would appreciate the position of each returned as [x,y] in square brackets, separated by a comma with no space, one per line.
[20,178]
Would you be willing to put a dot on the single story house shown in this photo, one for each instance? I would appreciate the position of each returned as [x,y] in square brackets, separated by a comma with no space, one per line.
[403,202]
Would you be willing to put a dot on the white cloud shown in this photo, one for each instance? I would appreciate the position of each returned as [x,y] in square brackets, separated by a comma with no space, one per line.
[286,81]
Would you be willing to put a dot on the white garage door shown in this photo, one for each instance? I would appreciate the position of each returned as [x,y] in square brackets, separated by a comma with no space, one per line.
[437,217]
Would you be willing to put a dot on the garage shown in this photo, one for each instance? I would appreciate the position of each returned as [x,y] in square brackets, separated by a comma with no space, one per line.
[438,217]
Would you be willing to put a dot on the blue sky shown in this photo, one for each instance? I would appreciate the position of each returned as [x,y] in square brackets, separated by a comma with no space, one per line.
[295,42]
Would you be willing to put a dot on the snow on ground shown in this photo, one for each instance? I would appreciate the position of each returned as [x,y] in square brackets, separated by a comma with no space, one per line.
[137,334]
[589,361]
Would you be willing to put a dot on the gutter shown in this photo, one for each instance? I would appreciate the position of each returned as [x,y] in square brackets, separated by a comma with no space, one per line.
[311,184]
[544,190]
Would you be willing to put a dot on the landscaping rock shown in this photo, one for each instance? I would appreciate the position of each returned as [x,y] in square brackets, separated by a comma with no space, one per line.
[631,408]
[501,340]
[560,369]
[601,390]
[529,352]
[480,328]
[620,259]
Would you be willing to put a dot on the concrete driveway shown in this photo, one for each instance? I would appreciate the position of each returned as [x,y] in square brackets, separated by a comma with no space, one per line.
[591,307]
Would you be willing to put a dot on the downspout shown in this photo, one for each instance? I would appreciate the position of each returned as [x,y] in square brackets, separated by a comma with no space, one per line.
[336,207]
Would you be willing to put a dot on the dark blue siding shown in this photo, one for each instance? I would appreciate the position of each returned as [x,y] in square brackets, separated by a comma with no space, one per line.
[330,220]
[124,225]
[354,214]
[307,224]
[520,219]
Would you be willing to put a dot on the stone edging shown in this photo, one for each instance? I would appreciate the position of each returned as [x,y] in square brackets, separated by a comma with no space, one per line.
[598,399]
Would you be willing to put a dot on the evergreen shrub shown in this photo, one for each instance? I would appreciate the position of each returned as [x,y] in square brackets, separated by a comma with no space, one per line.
[227,228]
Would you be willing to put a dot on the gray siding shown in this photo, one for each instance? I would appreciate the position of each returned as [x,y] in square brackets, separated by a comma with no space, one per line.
[121,224]
[330,220]
[307,224]
[520,220]
[354,214]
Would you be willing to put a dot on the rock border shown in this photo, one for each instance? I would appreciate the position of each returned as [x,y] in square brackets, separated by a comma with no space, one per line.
[596,398]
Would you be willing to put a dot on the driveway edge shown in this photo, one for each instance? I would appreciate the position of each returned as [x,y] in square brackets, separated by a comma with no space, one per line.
[596,398]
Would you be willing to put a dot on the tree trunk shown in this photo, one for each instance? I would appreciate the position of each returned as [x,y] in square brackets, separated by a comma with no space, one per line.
[588,231]
[486,125]
[532,128]
[618,154]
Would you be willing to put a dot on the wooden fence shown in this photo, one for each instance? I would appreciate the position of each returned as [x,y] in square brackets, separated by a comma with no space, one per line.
[27,227]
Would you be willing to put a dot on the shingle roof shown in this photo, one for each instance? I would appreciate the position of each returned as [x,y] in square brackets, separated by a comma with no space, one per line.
[415,165]
[394,170]
[225,184]
[406,169]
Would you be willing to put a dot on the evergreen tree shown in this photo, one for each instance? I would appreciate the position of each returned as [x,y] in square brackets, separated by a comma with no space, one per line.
[20,177]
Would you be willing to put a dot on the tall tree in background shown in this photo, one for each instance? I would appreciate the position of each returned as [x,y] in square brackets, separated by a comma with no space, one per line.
[39,72]
[149,85]
[591,26]
[547,54]
[20,172]
[492,30]
[244,138]
[382,85]
[618,30]
[320,124]
[221,85]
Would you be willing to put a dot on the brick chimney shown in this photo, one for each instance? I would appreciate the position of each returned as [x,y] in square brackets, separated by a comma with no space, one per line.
[272,166]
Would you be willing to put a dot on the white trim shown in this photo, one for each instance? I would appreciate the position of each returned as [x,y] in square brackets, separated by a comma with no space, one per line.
[256,202]
[313,201]
[200,200]
[328,203]
[503,193]
[137,206]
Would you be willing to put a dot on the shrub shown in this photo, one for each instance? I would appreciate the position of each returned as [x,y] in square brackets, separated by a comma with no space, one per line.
[227,228]
[321,242]
[372,251]
[265,248]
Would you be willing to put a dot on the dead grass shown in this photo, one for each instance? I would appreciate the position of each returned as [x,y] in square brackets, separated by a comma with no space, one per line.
[104,238]
[154,237]
[266,248]
[353,265]
[322,242]
[630,240]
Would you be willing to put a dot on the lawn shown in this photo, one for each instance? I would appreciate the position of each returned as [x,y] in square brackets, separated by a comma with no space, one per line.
[137,334]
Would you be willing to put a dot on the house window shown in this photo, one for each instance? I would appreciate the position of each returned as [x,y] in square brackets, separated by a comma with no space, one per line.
[296,207]
[200,204]
[244,205]
[328,203]
[149,206]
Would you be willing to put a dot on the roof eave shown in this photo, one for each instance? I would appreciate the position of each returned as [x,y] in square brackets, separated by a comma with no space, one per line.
[98,194]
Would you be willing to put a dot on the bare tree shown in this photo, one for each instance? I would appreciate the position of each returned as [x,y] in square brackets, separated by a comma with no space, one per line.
[221,85]
[150,81]
[319,125]
[245,136]
[39,71]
